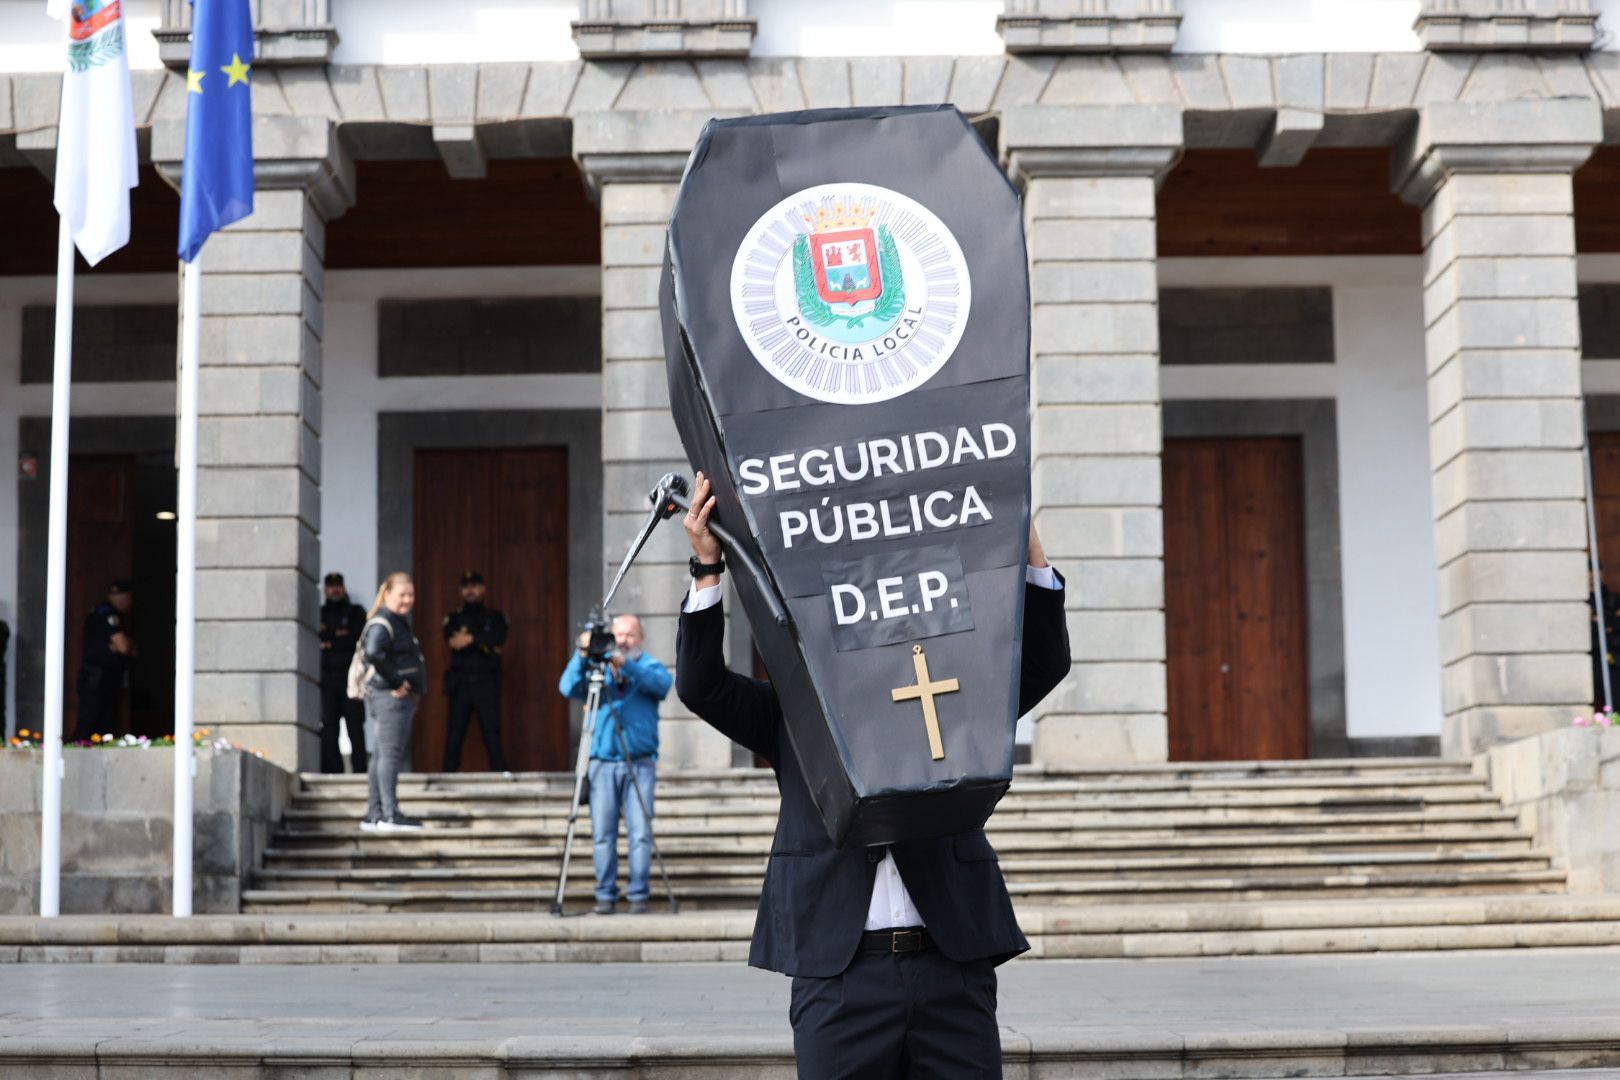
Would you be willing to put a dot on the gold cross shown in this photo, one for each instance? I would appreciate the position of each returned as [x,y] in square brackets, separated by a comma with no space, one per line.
[926,690]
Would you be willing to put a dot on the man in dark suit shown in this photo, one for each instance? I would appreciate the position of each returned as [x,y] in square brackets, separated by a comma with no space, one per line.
[892,949]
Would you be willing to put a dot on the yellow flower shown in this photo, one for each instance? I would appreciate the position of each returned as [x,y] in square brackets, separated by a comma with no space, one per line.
[22,733]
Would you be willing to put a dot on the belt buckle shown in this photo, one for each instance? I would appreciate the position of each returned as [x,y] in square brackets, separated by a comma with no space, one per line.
[905,935]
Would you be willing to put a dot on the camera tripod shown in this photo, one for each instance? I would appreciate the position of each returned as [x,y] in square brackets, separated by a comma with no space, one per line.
[670,496]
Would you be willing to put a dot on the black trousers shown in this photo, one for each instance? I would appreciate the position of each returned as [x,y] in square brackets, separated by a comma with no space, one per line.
[898,1015]
[336,707]
[100,692]
[483,697]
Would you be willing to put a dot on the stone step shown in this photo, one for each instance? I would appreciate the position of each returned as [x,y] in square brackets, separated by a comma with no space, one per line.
[498,790]
[705,895]
[369,849]
[1366,1016]
[1138,929]
[1313,767]
[1065,827]
[1016,868]
[454,804]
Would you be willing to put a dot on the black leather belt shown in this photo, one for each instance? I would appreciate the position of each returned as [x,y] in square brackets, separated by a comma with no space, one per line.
[912,939]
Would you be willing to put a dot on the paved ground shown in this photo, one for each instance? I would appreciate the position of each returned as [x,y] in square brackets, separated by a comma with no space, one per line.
[1520,995]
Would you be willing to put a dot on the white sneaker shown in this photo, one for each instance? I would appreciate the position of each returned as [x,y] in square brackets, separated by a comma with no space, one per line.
[399,823]
[370,826]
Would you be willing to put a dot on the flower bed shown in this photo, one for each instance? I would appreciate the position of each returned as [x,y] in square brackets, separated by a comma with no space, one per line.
[34,740]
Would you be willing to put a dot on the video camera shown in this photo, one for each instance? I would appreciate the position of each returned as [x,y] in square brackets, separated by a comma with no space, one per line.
[601,642]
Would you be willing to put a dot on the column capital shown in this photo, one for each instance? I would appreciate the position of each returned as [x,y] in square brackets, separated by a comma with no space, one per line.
[637,147]
[1450,137]
[289,153]
[1090,140]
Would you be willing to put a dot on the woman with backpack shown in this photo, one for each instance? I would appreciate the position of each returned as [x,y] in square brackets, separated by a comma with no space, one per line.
[394,679]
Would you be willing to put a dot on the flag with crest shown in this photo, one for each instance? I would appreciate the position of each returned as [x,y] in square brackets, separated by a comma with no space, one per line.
[95,133]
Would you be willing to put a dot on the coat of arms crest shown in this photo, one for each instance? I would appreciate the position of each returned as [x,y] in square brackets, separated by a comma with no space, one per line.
[851,292]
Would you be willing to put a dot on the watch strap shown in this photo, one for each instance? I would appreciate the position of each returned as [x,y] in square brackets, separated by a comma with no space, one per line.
[703,569]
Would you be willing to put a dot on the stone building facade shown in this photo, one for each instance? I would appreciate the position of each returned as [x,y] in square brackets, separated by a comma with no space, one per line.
[1090,109]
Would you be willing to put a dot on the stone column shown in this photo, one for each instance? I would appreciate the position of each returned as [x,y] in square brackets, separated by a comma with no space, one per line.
[1502,343]
[633,164]
[1090,175]
[258,483]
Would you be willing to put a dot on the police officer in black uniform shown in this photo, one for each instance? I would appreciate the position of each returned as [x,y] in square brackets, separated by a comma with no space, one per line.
[108,651]
[475,635]
[341,622]
[5,639]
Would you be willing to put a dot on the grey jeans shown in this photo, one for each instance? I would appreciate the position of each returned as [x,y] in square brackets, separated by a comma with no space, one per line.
[392,718]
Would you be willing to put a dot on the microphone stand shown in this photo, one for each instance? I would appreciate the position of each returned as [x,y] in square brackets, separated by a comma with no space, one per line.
[671,495]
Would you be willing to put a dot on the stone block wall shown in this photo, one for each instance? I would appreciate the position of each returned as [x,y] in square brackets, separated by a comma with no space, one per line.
[118,829]
[640,443]
[1090,225]
[1565,786]
[258,478]
[1502,338]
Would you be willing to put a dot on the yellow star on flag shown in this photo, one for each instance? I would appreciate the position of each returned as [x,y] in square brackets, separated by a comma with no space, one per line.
[194,81]
[237,71]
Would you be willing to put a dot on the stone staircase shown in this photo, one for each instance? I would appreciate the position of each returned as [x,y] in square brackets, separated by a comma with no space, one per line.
[1187,836]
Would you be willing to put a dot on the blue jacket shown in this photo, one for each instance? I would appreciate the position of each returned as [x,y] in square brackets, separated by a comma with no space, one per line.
[632,706]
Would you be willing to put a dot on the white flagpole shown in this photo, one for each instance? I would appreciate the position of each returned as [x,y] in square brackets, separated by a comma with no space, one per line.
[50,826]
[185,591]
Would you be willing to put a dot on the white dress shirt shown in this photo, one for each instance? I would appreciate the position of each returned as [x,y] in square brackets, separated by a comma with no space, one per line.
[891,905]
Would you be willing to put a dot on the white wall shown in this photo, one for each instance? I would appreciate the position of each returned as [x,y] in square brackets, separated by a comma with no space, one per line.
[1387,566]
[466,31]
[351,400]
[1386,511]
[353,395]
[34,400]
[1290,26]
[462,31]
[877,27]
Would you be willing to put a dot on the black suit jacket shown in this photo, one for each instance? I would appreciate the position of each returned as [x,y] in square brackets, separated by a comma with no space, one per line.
[813,907]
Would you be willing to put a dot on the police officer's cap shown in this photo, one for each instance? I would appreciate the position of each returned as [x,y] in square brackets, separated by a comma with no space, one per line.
[121,585]
[471,577]
[334,578]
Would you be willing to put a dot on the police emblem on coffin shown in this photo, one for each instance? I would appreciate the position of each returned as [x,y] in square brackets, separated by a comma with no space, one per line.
[851,293]
[885,583]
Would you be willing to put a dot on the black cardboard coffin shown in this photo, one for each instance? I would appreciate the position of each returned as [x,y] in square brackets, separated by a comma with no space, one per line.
[845,302]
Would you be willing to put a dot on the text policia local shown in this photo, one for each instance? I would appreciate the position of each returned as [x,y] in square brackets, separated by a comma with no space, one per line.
[871,459]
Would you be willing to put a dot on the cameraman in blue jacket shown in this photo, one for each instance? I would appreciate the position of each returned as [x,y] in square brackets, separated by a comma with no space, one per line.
[635,684]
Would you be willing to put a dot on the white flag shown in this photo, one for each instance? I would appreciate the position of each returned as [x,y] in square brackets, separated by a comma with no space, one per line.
[95,132]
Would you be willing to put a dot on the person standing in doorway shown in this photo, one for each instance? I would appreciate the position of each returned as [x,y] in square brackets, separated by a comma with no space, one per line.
[5,639]
[1607,609]
[341,622]
[108,652]
[395,676]
[476,635]
[625,744]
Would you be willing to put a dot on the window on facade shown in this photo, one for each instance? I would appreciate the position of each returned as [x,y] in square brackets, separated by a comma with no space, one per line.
[1246,326]
[127,343]
[545,335]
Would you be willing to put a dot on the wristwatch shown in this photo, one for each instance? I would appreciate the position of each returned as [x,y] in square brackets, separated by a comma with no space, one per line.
[704,569]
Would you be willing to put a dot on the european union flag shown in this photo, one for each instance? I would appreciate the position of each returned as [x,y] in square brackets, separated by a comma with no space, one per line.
[216,185]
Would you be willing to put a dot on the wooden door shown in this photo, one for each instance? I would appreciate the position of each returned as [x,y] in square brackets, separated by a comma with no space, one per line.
[1606,503]
[100,549]
[503,513]
[1235,622]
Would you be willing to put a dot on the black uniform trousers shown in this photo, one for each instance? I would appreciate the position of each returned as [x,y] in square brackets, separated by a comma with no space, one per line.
[100,692]
[468,696]
[337,706]
[913,1015]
